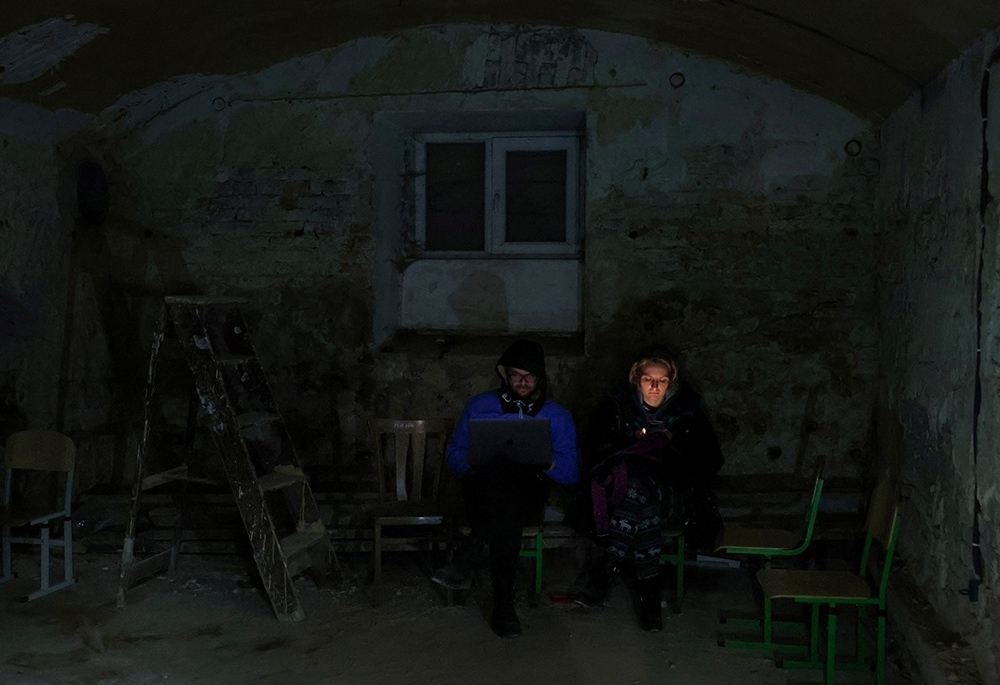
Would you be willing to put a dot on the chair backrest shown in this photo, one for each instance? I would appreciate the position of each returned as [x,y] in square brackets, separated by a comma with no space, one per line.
[410,438]
[882,526]
[813,510]
[40,450]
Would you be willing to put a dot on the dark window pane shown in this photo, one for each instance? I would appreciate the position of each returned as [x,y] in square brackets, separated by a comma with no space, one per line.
[456,179]
[536,196]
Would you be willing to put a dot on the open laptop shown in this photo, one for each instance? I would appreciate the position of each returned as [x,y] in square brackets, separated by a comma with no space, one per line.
[524,441]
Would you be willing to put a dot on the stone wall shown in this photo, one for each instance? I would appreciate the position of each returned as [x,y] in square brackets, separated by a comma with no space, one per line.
[33,258]
[727,218]
[55,350]
[931,240]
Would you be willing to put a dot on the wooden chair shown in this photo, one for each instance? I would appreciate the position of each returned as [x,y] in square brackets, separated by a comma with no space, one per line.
[831,589]
[770,543]
[39,451]
[414,472]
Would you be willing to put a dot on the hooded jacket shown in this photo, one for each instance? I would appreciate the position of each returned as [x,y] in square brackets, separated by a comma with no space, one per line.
[692,452]
[503,402]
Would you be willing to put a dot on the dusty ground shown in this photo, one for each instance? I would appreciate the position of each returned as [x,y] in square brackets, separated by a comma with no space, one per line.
[211,625]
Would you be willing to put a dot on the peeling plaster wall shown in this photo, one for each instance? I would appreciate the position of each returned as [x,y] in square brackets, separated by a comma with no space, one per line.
[929,248]
[33,247]
[54,357]
[723,220]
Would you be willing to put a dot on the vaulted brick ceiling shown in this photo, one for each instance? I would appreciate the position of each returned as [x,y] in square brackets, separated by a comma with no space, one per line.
[866,55]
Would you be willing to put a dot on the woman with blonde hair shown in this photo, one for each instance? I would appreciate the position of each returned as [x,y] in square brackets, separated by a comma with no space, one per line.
[656,449]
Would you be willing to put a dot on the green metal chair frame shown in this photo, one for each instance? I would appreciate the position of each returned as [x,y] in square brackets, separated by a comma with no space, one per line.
[534,533]
[535,537]
[46,451]
[677,559]
[770,543]
[831,589]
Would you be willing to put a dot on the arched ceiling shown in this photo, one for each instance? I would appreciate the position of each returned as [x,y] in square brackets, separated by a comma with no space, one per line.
[866,55]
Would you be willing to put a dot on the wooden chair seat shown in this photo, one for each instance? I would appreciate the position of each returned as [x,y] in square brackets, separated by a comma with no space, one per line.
[760,540]
[406,513]
[821,585]
[527,531]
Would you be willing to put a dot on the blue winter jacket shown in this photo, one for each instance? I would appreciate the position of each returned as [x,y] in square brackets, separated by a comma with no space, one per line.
[487,406]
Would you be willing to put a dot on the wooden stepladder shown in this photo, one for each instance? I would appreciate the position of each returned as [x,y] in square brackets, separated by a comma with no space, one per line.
[272,493]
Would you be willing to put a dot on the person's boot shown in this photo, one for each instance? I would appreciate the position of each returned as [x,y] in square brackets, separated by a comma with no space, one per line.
[599,582]
[504,622]
[458,573]
[650,614]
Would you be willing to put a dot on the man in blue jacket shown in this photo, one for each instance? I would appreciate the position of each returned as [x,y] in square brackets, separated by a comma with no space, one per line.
[501,497]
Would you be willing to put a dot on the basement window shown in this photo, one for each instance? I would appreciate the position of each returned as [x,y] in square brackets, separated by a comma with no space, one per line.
[479,224]
[496,194]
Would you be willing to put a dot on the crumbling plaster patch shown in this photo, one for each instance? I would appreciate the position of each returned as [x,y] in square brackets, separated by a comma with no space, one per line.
[35,49]
[33,251]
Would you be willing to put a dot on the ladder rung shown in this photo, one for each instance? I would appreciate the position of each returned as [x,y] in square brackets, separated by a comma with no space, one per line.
[234,359]
[205,300]
[177,473]
[256,418]
[281,479]
[298,541]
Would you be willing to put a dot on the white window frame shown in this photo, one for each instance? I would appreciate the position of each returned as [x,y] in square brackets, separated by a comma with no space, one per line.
[495,192]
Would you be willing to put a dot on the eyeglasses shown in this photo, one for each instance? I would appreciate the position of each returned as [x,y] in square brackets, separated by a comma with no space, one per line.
[517,377]
[654,382]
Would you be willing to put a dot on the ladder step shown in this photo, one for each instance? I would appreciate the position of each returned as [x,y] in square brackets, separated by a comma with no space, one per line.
[178,473]
[300,540]
[256,418]
[292,546]
[234,359]
[282,477]
[206,300]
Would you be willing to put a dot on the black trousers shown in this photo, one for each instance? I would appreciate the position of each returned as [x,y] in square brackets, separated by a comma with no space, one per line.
[500,499]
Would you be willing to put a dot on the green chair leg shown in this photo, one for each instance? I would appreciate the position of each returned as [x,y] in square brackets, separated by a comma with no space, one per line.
[680,570]
[831,644]
[880,648]
[677,559]
[535,552]
[813,662]
[538,563]
[767,625]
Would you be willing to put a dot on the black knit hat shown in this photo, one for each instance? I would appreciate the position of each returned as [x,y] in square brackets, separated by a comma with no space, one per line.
[526,355]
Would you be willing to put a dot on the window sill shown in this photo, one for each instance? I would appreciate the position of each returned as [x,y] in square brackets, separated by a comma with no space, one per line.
[448,254]
[477,343]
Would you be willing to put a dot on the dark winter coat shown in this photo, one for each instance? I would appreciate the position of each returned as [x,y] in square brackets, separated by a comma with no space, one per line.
[674,448]
[690,455]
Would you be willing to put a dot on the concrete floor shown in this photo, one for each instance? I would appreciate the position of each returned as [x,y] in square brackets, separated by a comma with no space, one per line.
[211,625]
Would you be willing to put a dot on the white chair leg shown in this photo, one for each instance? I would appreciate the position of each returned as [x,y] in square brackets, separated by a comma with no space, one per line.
[67,544]
[68,578]
[377,551]
[7,573]
[45,558]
